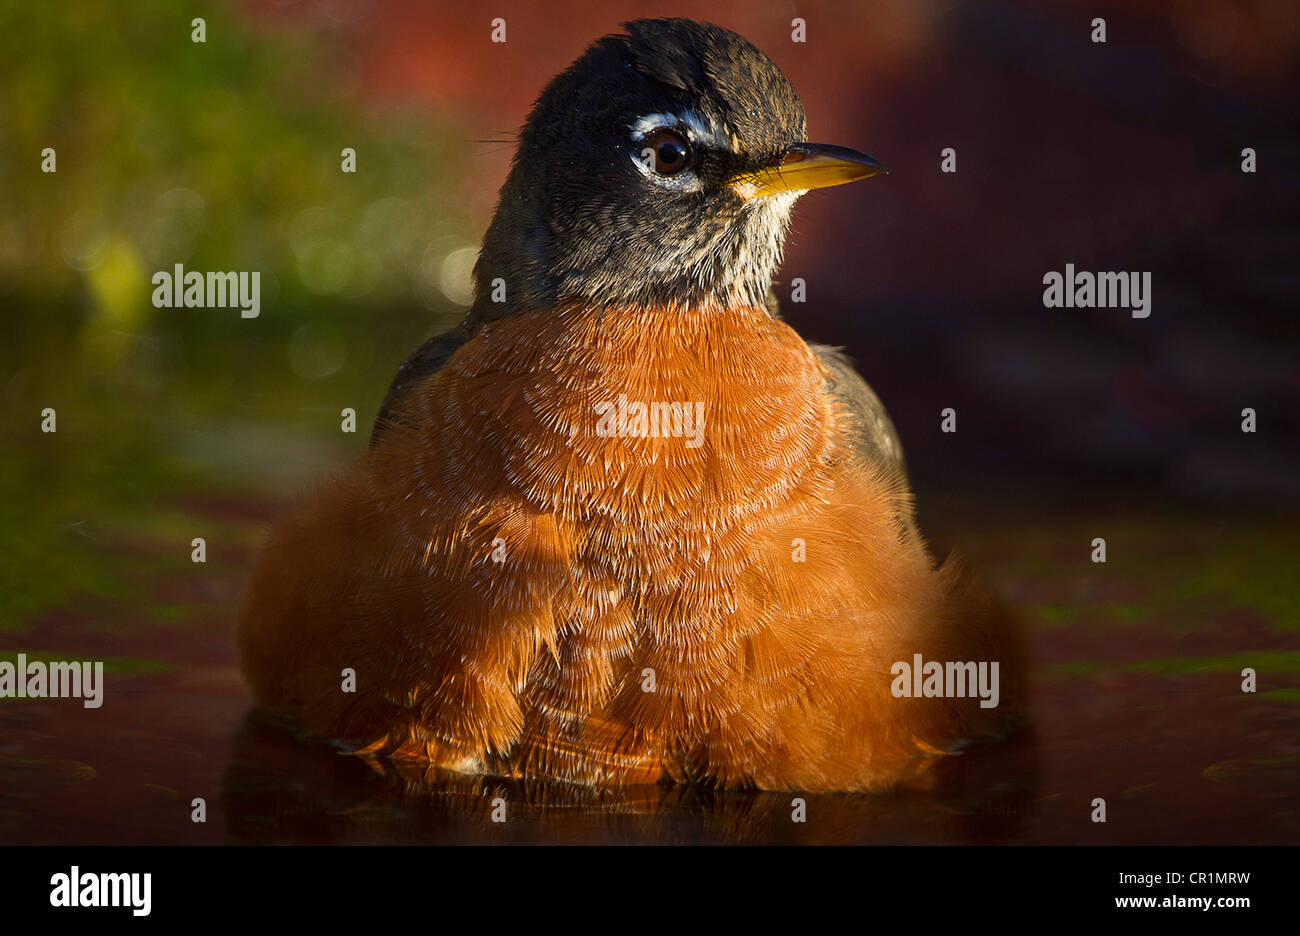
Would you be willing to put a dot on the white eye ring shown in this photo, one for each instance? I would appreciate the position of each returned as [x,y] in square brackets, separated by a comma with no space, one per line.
[689,124]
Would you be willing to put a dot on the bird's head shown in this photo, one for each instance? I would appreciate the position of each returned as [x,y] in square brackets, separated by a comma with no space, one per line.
[658,170]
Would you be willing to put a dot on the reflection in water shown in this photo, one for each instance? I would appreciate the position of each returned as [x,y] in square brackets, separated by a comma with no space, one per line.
[278,789]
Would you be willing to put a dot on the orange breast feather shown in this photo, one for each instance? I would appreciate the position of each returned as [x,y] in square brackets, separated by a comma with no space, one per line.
[521,593]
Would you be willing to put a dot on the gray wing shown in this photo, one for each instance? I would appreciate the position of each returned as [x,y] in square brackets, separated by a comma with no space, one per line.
[875,437]
[424,361]
[873,433]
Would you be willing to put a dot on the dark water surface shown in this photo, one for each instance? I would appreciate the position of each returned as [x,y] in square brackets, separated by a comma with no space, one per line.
[1137,699]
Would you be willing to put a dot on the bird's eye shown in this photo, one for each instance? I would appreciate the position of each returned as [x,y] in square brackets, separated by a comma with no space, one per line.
[666,151]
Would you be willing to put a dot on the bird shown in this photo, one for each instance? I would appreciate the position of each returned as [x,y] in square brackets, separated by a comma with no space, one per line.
[623,525]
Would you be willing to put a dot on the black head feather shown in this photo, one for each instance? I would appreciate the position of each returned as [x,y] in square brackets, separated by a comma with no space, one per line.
[580,218]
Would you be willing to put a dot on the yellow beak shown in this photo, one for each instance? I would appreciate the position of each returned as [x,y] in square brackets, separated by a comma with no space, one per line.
[807,166]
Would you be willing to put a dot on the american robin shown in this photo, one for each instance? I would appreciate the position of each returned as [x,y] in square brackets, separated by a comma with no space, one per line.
[623,524]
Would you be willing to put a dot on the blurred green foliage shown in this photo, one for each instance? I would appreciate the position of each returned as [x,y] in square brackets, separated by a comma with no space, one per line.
[221,155]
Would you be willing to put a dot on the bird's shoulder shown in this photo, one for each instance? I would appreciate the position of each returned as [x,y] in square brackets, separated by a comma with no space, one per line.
[874,434]
[423,362]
